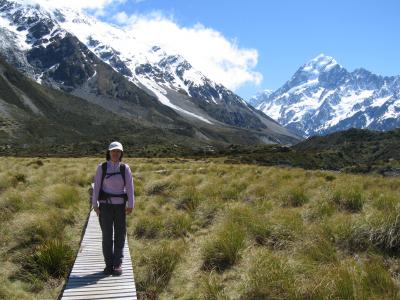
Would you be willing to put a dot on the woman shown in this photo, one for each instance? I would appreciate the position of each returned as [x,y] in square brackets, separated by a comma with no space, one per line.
[112,189]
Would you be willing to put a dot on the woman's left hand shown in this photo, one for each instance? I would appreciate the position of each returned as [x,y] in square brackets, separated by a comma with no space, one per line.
[128,210]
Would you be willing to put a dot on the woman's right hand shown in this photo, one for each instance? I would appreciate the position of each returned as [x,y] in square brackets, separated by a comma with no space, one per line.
[97,210]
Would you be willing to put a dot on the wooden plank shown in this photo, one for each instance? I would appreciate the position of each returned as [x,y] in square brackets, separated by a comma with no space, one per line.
[94,270]
[86,279]
[105,293]
[98,288]
[90,297]
[81,285]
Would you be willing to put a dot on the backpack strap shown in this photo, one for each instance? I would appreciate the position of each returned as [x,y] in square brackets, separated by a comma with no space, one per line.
[104,173]
[122,170]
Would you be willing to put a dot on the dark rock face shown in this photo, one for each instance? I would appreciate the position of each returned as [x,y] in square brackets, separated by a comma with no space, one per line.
[65,60]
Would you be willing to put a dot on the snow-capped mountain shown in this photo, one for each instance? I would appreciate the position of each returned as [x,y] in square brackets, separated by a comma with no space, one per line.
[70,50]
[260,97]
[323,97]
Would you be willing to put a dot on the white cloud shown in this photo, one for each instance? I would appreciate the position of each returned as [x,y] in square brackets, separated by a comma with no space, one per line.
[121,17]
[218,58]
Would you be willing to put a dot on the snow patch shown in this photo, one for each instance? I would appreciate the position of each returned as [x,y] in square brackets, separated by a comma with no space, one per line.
[160,93]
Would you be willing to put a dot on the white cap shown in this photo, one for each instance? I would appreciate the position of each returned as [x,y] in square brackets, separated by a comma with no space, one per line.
[115,145]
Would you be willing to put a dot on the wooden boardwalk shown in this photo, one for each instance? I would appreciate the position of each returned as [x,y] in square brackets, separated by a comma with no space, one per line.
[86,280]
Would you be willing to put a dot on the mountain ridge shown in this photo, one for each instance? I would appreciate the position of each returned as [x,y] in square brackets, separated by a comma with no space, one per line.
[323,97]
[64,54]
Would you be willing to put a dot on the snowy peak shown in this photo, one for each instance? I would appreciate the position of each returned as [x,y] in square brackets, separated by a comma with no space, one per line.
[323,97]
[260,97]
[319,64]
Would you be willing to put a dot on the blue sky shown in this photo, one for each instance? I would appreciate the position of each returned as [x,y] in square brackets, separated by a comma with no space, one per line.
[286,34]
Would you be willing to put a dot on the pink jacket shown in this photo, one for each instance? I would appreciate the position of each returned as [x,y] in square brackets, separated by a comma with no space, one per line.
[114,185]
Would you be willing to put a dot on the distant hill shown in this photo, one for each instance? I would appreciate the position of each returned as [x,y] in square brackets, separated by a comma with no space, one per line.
[354,150]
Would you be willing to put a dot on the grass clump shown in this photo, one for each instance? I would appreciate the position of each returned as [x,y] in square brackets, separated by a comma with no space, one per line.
[353,279]
[319,249]
[222,250]
[156,266]
[268,277]
[295,197]
[157,187]
[177,225]
[383,230]
[42,229]
[189,199]
[51,259]
[63,195]
[348,198]
[211,287]
[148,227]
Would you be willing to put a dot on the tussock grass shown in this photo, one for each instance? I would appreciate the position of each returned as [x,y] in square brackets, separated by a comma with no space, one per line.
[222,250]
[208,229]
[211,287]
[149,228]
[295,197]
[157,187]
[52,258]
[319,248]
[156,265]
[268,277]
[62,195]
[353,279]
[348,198]
[189,199]
[177,225]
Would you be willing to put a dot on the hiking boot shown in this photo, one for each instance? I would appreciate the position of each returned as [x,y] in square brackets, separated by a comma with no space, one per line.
[117,270]
[108,270]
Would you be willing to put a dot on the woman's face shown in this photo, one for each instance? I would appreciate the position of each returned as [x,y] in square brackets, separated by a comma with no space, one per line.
[115,155]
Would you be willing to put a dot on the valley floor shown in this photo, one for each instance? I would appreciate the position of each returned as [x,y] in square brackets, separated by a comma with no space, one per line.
[208,229]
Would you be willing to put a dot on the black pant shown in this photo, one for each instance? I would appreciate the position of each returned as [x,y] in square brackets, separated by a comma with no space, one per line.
[113,214]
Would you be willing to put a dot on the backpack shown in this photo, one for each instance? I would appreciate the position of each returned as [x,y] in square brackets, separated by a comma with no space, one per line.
[104,195]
